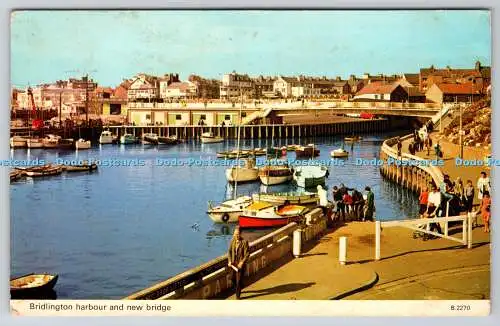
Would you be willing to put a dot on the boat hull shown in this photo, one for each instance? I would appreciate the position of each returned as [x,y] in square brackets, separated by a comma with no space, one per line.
[225,217]
[168,140]
[252,222]
[83,145]
[210,140]
[18,142]
[279,199]
[274,180]
[34,143]
[27,292]
[106,139]
[242,174]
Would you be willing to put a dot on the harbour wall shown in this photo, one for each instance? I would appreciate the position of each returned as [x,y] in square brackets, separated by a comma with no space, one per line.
[215,279]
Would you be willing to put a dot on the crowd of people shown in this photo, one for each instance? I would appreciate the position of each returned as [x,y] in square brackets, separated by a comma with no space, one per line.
[351,204]
[453,197]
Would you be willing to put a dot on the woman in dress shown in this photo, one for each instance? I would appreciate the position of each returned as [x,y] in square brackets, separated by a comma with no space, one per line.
[485,211]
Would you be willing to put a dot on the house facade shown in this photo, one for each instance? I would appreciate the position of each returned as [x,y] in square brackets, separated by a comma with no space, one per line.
[382,92]
[235,85]
[453,93]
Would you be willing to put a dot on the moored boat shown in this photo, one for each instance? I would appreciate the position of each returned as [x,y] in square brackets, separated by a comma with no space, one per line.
[127,139]
[228,211]
[82,144]
[265,215]
[339,153]
[150,138]
[248,172]
[210,138]
[303,198]
[168,140]
[32,284]
[307,151]
[43,171]
[18,142]
[15,175]
[67,143]
[310,176]
[353,138]
[273,175]
[51,141]
[106,137]
[34,143]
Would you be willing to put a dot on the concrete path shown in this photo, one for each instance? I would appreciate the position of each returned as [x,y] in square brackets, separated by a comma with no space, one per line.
[318,274]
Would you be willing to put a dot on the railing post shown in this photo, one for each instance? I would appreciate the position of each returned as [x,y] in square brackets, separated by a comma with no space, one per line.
[342,250]
[464,231]
[469,231]
[446,228]
[377,240]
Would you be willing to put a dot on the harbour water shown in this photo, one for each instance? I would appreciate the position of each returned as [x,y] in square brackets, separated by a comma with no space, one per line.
[118,230]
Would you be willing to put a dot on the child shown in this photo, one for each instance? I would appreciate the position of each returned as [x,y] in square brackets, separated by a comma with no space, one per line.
[485,211]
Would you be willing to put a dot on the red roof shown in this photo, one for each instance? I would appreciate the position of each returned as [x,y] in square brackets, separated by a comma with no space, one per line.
[180,85]
[377,88]
[465,88]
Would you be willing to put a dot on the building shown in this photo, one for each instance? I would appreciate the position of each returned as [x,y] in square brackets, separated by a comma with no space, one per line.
[453,93]
[178,90]
[355,84]
[382,92]
[234,86]
[410,80]
[144,88]
[305,91]
[264,87]
[206,88]
[480,75]
[415,95]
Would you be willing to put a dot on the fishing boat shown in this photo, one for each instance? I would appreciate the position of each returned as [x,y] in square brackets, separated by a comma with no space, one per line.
[248,172]
[339,153]
[292,147]
[18,142]
[84,167]
[228,211]
[273,175]
[258,151]
[265,215]
[32,284]
[169,140]
[43,171]
[307,151]
[51,141]
[353,138]
[210,138]
[127,139]
[233,154]
[310,176]
[302,198]
[150,138]
[67,143]
[34,143]
[82,144]
[106,137]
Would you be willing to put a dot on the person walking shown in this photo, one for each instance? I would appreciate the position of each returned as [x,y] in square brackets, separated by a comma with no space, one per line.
[483,185]
[369,205]
[469,199]
[486,211]
[238,254]
[433,204]
[348,205]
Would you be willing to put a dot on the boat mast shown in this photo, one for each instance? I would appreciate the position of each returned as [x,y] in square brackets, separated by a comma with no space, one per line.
[238,146]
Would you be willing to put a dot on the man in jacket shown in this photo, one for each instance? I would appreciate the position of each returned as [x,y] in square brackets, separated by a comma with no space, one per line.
[237,258]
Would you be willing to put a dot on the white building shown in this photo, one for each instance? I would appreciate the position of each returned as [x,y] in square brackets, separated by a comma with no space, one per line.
[180,90]
[305,91]
[143,88]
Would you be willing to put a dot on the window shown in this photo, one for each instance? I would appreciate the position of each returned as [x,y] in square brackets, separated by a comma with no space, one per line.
[227,117]
[243,114]
[203,116]
[381,96]
[376,96]
[148,116]
[178,117]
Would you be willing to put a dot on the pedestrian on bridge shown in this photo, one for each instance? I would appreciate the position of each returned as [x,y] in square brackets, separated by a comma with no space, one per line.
[237,258]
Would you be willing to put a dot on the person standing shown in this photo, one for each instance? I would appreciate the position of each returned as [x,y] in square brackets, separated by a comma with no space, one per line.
[486,211]
[433,204]
[483,185]
[423,199]
[340,207]
[459,190]
[237,258]
[369,205]
[348,205]
[469,198]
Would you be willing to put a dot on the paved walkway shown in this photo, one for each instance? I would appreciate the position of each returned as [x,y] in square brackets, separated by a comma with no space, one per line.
[318,274]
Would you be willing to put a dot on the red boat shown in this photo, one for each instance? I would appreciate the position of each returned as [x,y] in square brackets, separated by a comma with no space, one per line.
[265,215]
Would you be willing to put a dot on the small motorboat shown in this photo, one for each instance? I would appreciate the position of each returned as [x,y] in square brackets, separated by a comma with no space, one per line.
[82,144]
[85,167]
[339,153]
[292,147]
[18,142]
[228,211]
[51,141]
[107,137]
[306,151]
[128,139]
[302,198]
[258,151]
[43,171]
[265,215]
[353,138]
[32,285]
[233,154]
[15,175]
[273,175]
[34,143]
[310,176]
[66,144]
[248,172]
[169,140]
[210,138]
[150,138]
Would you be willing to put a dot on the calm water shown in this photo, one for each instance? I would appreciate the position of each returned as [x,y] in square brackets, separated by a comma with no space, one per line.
[116,231]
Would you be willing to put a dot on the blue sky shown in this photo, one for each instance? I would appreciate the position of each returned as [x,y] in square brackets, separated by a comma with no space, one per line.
[112,45]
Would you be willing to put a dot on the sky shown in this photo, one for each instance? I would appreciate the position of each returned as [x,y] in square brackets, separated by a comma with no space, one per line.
[113,45]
